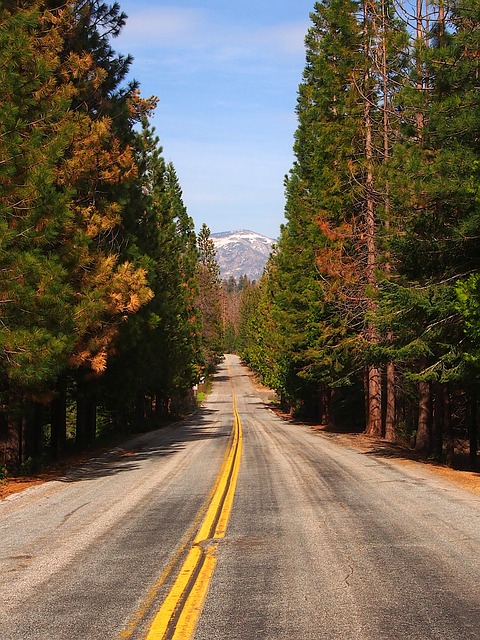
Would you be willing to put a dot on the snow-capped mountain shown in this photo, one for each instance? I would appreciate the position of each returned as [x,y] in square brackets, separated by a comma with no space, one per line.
[241,253]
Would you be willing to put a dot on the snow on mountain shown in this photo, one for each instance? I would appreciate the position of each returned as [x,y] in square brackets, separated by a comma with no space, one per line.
[241,253]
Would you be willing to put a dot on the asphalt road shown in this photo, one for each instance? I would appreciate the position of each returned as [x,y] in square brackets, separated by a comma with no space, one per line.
[323,541]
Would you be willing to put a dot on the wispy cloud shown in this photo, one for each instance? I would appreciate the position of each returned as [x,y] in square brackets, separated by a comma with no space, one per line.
[163,27]
[288,38]
[241,183]
[227,77]
[190,29]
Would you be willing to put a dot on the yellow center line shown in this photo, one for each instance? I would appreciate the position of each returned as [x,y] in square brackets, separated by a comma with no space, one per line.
[221,527]
[185,543]
[191,611]
[181,609]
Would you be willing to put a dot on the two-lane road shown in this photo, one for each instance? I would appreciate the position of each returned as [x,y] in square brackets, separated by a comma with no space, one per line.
[322,542]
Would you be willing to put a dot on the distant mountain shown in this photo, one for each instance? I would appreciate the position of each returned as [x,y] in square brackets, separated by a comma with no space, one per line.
[241,253]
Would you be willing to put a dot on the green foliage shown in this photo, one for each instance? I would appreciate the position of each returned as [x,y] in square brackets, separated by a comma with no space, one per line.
[209,299]
[377,266]
[98,256]
[165,330]
[32,465]
[37,300]
[468,305]
[300,321]
[468,293]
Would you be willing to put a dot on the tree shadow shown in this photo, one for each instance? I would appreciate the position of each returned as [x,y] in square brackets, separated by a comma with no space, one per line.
[377,447]
[160,443]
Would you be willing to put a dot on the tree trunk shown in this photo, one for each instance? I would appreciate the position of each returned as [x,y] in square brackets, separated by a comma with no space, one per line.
[374,409]
[58,413]
[391,409]
[32,428]
[14,442]
[10,434]
[320,402]
[473,429]
[86,423]
[421,38]
[140,411]
[366,396]
[447,427]
[438,422]
[325,397]
[424,427]
[374,416]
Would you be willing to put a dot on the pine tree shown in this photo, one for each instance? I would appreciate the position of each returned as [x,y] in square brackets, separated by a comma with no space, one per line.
[37,300]
[437,243]
[165,331]
[260,337]
[66,291]
[209,298]
[317,262]
[333,252]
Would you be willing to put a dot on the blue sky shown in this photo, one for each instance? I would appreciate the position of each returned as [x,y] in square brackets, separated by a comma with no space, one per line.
[226,74]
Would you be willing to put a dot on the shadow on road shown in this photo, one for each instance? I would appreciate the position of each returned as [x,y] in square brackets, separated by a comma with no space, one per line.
[376,447]
[155,444]
[220,378]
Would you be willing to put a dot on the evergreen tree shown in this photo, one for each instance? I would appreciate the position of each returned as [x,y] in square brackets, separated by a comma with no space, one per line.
[332,250]
[376,268]
[209,299]
[437,245]
[38,302]
[158,359]
[316,276]
[65,164]
[36,126]
[259,336]
[231,297]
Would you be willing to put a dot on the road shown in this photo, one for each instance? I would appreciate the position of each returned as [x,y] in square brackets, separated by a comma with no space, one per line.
[323,541]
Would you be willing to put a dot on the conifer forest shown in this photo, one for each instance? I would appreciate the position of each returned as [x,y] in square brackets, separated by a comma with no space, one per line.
[102,281]
[367,316]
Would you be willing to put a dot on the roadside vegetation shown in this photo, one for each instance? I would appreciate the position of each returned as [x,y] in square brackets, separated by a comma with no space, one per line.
[105,292]
[367,316]
[112,309]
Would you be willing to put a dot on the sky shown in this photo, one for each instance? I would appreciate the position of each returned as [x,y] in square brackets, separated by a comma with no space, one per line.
[226,73]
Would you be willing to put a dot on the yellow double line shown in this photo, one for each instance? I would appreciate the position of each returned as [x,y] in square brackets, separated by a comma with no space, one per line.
[181,609]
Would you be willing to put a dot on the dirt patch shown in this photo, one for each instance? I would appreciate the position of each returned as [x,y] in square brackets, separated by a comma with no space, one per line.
[14,485]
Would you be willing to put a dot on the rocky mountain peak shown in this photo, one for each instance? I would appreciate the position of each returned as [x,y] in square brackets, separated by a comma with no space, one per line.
[241,253]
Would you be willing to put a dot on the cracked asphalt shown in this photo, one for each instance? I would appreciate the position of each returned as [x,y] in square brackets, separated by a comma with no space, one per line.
[328,542]
[324,541]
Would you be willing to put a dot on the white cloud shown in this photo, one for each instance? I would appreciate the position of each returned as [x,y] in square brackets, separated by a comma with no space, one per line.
[163,27]
[193,29]
[227,82]
[288,38]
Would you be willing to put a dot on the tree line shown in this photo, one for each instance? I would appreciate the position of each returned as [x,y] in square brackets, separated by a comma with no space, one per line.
[105,289]
[368,314]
